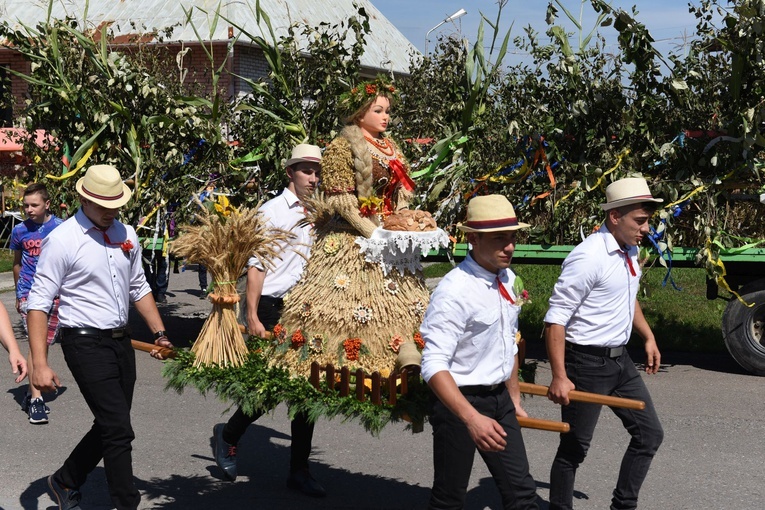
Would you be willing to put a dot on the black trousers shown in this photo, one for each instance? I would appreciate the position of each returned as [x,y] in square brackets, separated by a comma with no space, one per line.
[454,451]
[269,313]
[104,369]
[607,376]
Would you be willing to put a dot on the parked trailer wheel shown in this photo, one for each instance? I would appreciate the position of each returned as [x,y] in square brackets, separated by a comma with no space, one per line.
[744,331]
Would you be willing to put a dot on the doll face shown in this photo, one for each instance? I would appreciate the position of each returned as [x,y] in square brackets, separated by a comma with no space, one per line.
[375,119]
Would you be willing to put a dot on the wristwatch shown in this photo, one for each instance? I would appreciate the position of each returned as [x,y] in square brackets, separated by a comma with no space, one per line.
[160,334]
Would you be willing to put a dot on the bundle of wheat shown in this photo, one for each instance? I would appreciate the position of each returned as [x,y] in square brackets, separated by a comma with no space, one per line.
[223,244]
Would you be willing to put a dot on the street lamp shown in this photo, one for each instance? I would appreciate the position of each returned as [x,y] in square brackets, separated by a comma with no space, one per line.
[454,16]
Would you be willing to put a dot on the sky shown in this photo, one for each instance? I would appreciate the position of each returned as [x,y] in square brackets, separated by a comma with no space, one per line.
[666,20]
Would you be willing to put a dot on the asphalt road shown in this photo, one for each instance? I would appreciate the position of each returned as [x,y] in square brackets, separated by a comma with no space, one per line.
[712,456]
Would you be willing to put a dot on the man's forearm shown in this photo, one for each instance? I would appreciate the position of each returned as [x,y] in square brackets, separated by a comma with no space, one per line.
[555,340]
[37,324]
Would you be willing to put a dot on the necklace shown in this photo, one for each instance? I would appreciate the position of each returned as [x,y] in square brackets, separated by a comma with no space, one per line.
[381,145]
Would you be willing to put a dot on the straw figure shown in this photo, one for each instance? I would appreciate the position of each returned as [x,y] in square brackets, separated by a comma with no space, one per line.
[346,310]
[223,243]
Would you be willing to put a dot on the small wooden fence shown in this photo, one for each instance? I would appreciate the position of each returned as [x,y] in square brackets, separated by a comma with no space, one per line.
[378,382]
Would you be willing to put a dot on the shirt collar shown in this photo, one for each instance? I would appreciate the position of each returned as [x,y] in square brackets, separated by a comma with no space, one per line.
[486,276]
[289,197]
[611,244]
[86,224]
[83,221]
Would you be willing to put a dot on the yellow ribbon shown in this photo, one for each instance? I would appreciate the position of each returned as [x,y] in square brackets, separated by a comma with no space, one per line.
[77,167]
[720,278]
[619,159]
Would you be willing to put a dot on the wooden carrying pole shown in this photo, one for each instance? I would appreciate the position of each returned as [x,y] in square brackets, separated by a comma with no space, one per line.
[540,424]
[147,347]
[586,397]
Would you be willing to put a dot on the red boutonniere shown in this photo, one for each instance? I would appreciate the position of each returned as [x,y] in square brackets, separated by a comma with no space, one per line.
[127,246]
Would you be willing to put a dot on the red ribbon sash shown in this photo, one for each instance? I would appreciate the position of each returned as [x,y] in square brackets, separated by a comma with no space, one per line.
[400,175]
[503,291]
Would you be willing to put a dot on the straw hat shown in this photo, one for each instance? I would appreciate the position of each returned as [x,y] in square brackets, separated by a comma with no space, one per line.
[490,213]
[632,190]
[103,185]
[304,152]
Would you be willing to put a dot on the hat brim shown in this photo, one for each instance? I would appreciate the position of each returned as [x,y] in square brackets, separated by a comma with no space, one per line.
[295,161]
[115,203]
[628,201]
[465,228]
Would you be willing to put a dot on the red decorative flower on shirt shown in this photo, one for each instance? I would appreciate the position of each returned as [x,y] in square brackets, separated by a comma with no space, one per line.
[127,246]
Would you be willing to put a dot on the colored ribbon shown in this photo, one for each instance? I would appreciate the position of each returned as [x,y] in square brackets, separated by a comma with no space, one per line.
[400,175]
[503,291]
[629,262]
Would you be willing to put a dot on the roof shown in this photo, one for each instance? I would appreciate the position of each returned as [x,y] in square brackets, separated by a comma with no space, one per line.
[10,139]
[386,49]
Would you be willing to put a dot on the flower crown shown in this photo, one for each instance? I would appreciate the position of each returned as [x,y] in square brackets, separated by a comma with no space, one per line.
[359,95]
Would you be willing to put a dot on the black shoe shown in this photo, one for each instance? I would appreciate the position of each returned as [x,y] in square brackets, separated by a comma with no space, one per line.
[303,481]
[161,298]
[225,454]
[67,499]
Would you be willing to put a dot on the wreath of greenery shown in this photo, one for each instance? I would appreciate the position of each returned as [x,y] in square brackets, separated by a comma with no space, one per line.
[255,386]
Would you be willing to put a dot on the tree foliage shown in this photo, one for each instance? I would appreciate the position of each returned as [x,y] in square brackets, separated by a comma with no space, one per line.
[550,133]
[101,104]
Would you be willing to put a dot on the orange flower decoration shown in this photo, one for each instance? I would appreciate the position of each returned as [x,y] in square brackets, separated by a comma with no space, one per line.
[297,339]
[419,341]
[352,348]
[280,333]
[395,343]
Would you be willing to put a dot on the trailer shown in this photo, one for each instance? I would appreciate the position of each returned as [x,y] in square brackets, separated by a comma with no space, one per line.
[742,324]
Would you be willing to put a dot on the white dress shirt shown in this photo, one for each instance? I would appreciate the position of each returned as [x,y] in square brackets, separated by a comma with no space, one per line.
[95,280]
[594,298]
[469,328]
[285,212]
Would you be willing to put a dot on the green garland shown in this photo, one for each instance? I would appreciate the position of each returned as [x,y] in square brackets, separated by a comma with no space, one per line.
[257,387]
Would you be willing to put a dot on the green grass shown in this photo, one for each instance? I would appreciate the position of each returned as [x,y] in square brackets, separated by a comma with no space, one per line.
[681,321]
[6,260]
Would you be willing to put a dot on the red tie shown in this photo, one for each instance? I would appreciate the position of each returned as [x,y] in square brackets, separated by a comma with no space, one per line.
[106,237]
[503,291]
[629,262]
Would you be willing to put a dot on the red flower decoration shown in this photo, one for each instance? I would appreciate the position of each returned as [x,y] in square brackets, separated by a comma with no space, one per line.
[127,246]
[280,333]
[352,347]
[297,339]
[370,89]
[419,341]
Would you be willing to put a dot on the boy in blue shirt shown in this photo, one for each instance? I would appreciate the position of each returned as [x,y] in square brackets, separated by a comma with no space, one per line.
[26,240]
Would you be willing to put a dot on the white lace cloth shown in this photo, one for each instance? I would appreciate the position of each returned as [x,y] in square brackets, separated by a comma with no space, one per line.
[400,250]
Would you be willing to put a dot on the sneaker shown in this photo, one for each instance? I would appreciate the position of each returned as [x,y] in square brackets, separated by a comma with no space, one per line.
[36,411]
[25,405]
[67,499]
[161,298]
[225,454]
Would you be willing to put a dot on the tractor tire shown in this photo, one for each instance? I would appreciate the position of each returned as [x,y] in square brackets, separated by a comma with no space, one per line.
[743,329]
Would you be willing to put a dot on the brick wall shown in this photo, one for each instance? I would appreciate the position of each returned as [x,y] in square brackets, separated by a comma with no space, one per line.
[14,60]
[247,61]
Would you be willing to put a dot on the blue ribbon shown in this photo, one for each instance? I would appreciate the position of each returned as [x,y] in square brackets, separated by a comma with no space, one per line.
[655,237]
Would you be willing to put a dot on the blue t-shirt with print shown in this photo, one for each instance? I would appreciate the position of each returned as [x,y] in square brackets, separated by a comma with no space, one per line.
[27,237]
